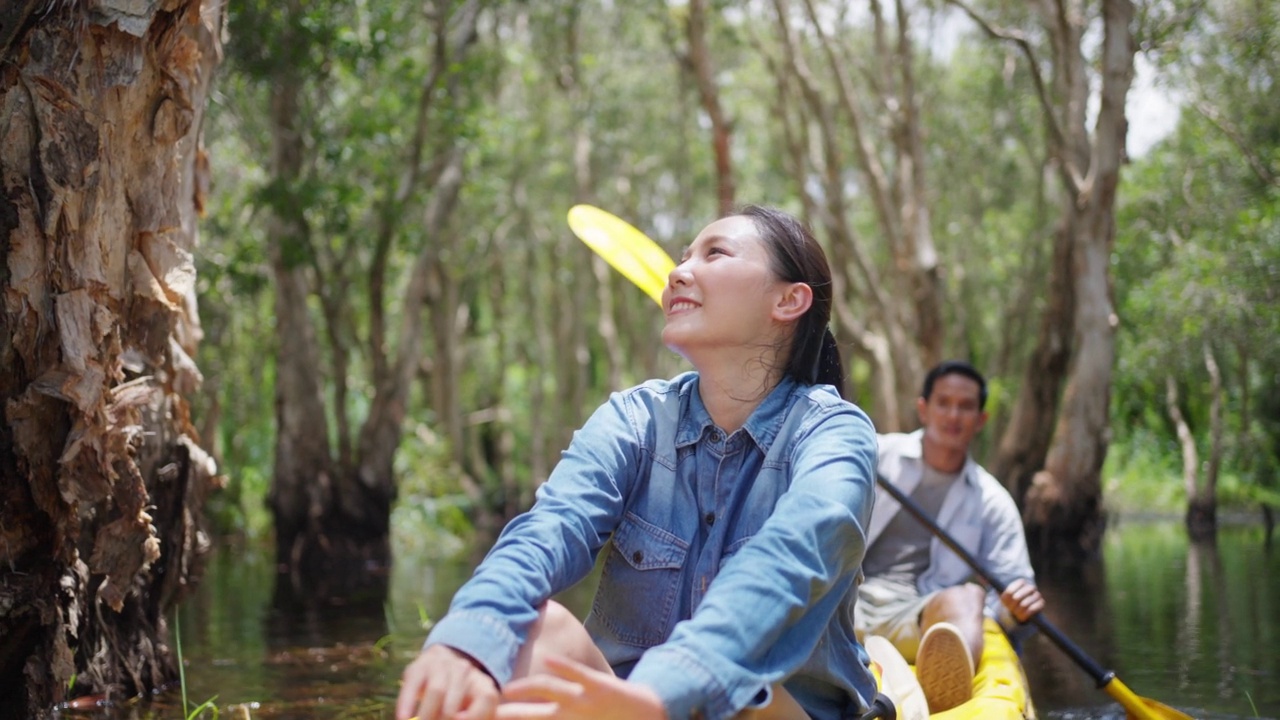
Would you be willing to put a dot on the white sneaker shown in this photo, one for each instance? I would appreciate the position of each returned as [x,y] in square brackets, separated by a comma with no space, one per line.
[945,667]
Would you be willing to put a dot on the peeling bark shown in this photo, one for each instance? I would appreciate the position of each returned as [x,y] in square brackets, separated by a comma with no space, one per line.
[104,478]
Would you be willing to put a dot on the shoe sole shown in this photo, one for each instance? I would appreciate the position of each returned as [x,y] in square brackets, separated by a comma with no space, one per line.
[945,667]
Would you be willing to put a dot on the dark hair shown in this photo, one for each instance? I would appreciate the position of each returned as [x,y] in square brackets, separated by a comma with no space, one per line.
[955,367]
[796,256]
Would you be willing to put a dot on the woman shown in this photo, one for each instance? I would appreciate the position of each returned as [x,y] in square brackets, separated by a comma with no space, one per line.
[735,497]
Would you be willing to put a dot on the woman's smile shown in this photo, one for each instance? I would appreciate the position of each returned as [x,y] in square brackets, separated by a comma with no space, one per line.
[679,305]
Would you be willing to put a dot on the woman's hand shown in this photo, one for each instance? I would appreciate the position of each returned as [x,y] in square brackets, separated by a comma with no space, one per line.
[1022,599]
[574,691]
[444,684]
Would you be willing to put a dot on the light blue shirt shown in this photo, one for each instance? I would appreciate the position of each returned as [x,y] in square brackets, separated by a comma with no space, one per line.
[734,561]
[977,512]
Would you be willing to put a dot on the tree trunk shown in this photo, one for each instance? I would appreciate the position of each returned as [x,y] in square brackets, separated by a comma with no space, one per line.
[1063,507]
[1202,506]
[897,339]
[333,518]
[1186,440]
[303,475]
[103,477]
[699,64]
[918,257]
[1025,441]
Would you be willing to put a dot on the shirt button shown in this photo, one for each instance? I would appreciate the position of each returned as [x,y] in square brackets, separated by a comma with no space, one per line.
[710,518]
[715,436]
[637,556]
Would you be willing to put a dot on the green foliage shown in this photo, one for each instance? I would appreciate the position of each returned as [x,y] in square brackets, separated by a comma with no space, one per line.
[1196,264]
[1143,476]
[1197,249]
[431,516]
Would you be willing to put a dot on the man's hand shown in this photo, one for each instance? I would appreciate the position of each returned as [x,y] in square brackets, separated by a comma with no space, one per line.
[1022,599]
[573,691]
[444,684]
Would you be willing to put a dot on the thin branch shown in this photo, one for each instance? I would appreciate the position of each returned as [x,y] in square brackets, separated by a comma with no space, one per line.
[449,48]
[1233,134]
[1024,45]
[878,181]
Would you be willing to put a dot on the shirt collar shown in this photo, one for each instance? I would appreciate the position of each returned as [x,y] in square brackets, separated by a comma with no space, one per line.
[915,451]
[762,425]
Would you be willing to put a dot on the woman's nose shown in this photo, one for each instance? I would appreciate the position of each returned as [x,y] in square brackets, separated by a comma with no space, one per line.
[679,275]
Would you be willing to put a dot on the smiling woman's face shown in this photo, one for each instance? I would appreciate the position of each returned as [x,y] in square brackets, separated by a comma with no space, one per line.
[723,291]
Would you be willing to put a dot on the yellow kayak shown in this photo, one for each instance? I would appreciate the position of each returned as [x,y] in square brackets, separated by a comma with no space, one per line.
[1000,689]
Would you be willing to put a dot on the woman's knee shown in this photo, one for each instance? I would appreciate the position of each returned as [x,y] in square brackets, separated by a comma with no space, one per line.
[555,619]
[558,632]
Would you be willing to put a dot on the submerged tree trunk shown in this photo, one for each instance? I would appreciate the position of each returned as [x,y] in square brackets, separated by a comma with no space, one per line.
[102,477]
[1063,504]
[332,515]
[1063,508]
[303,475]
[1202,502]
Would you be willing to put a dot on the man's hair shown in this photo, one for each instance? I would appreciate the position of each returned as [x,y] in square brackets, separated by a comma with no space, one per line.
[955,367]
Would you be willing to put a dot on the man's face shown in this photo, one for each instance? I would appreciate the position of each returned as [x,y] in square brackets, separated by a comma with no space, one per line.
[952,415]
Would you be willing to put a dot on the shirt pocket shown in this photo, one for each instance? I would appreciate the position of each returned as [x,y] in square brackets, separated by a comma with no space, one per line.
[638,586]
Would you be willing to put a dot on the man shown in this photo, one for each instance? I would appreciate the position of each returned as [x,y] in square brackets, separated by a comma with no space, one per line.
[917,592]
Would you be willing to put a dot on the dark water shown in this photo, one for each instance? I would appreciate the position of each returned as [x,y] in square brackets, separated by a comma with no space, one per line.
[1195,627]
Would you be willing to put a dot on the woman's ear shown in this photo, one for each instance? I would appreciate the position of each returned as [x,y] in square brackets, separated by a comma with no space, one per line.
[795,300]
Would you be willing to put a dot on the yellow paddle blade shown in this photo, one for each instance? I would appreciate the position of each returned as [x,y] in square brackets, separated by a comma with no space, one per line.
[629,251]
[1141,708]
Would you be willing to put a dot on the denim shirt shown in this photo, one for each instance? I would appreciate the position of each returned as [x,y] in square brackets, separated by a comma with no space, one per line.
[734,561]
[978,513]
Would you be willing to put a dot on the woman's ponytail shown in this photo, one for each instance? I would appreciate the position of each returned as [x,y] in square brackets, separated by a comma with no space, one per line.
[829,369]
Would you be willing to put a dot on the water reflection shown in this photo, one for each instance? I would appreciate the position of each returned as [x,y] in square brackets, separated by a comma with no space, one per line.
[1191,625]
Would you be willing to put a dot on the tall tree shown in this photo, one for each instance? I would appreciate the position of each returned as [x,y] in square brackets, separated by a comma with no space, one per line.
[699,63]
[1063,499]
[104,478]
[333,510]
[861,134]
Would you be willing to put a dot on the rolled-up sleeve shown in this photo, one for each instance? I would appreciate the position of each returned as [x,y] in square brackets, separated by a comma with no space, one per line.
[548,548]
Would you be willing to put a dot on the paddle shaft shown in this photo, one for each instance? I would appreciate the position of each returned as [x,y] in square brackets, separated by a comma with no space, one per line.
[1096,671]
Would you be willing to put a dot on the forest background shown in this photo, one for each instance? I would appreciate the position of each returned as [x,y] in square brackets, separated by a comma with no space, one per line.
[390,183]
